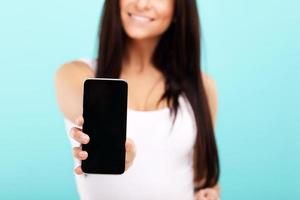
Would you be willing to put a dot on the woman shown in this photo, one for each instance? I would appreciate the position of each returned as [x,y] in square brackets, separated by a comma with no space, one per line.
[155,46]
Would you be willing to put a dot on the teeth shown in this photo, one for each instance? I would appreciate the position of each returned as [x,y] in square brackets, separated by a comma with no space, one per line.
[140,18]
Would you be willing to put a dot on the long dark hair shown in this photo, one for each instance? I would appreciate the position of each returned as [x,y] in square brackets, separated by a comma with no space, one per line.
[178,57]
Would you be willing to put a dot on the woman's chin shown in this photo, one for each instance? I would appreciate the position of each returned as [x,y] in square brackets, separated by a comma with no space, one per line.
[140,34]
[136,36]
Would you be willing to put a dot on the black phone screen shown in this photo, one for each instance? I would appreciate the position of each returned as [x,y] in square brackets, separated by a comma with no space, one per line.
[105,116]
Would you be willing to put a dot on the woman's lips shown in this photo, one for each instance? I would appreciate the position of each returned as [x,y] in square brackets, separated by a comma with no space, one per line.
[140,18]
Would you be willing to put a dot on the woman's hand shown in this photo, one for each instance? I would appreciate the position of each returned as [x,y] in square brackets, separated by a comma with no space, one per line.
[207,194]
[82,138]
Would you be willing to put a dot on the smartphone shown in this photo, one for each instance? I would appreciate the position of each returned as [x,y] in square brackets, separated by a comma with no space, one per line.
[105,118]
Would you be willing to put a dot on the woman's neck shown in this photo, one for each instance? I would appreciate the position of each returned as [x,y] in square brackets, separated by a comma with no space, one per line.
[139,54]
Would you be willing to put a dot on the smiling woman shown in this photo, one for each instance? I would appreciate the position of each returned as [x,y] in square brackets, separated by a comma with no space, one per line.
[141,19]
[155,46]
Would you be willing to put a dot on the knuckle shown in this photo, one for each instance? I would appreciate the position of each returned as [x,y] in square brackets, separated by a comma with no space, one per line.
[76,151]
[78,170]
[72,132]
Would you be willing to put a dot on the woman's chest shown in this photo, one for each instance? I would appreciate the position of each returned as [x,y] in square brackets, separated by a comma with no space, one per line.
[155,135]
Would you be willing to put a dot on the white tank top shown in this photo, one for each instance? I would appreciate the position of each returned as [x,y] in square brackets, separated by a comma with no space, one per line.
[163,166]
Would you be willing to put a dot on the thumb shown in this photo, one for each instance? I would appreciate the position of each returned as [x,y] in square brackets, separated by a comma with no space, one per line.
[129,145]
[79,121]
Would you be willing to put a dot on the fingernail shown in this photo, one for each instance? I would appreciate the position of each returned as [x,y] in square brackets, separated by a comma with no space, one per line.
[83,154]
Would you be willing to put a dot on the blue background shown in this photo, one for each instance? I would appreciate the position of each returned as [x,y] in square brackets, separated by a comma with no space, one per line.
[251,48]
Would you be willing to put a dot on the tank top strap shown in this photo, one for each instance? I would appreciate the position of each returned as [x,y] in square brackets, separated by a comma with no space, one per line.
[92,63]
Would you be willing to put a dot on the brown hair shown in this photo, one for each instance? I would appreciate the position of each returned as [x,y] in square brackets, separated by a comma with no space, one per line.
[178,57]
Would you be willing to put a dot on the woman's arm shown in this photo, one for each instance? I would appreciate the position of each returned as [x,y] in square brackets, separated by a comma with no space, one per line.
[210,87]
[69,80]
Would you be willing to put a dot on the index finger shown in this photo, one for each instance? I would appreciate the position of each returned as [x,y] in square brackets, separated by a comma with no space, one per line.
[79,136]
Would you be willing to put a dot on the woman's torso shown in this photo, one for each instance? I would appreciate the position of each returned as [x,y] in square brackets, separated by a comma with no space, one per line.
[162,168]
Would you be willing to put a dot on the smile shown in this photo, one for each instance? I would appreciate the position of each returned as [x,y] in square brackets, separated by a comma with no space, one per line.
[140,18]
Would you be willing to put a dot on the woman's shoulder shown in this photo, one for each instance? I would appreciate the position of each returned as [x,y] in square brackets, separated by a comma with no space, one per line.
[75,67]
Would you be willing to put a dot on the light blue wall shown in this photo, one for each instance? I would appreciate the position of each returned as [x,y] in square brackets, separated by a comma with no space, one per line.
[250,48]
